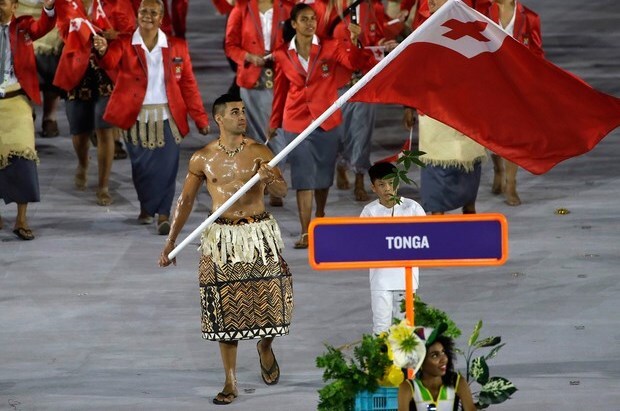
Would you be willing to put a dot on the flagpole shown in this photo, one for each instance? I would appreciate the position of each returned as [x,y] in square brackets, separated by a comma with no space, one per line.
[301,137]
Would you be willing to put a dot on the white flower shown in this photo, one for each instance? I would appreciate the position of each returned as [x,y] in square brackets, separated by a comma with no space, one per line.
[409,350]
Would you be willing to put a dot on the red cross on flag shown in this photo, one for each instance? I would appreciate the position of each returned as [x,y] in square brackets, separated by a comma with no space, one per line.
[100,19]
[80,31]
[463,70]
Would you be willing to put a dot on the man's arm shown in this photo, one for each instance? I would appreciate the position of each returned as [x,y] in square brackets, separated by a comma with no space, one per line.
[39,28]
[185,203]
[271,177]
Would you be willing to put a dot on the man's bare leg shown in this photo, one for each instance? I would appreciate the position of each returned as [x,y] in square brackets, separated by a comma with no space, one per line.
[498,174]
[105,156]
[49,124]
[360,192]
[342,182]
[510,192]
[81,144]
[21,221]
[267,360]
[469,208]
[304,208]
[228,351]
[320,197]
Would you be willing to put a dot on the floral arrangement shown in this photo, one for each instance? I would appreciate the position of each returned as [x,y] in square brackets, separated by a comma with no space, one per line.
[376,361]
[379,361]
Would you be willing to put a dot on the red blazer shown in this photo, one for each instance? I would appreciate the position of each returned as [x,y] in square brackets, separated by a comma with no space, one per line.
[222,6]
[72,65]
[423,12]
[22,32]
[244,34]
[130,87]
[371,19]
[300,97]
[527,26]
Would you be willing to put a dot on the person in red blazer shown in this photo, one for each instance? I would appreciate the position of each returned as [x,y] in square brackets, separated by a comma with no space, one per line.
[305,86]
[253,31]
[524,25]
[19,182]
[89,87]
[175,17]
[154,91]
[359,118]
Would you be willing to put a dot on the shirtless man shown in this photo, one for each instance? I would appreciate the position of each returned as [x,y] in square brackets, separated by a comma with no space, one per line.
[245,284]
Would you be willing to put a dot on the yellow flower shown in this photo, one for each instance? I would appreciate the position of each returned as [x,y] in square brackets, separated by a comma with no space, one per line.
[393,377]
[390,353]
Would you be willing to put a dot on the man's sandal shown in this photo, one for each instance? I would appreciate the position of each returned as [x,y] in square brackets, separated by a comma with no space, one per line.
[266,373]
[24,233]
[226,398]
[303,242]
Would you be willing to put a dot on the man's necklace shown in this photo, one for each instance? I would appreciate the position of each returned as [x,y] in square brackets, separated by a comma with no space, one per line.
[231,153]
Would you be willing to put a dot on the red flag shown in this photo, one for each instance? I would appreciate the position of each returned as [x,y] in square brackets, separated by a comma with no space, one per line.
[395,157]
[99,18]
[462,69]
[80,31]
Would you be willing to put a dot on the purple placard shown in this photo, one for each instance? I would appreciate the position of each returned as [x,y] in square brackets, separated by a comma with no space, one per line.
[407,241]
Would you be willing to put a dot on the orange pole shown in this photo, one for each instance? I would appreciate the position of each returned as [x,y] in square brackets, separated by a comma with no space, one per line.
[409,296]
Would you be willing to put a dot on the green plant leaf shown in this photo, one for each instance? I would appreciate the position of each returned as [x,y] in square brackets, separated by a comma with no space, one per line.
[496,391]
[489,342]
[494,352]
[479,370]
[474,335]
[428,316]
[348,376]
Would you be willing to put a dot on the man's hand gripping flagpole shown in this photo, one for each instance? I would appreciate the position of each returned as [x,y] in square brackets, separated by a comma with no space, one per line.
[301,137]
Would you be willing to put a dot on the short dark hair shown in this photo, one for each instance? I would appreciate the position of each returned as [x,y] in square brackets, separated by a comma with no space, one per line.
[379,171]
[219,105]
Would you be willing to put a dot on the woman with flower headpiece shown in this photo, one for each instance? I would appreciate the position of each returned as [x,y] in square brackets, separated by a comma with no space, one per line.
[437,387]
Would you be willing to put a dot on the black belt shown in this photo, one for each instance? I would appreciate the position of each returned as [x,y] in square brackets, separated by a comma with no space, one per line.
[12,94]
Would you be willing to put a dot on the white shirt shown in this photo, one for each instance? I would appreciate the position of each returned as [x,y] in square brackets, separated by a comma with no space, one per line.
[510,27]
[156,86]
[392,279]
[266,20]
[293,46]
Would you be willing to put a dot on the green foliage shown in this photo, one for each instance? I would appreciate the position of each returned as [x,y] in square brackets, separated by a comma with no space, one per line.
[428,316]
[493,390]
[348,376]
[496,391]
[479,370]
[404,163]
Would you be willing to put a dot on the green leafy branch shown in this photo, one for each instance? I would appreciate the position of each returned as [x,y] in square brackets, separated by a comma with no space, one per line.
[403,164]
[494,390]
[349,376]
[428,316]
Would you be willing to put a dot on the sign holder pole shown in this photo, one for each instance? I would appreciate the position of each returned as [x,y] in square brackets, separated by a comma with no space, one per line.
[409,296]
[409,310]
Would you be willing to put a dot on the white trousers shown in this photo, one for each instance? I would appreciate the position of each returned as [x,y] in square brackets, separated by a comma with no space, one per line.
[385,306]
